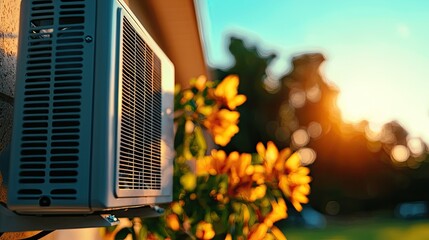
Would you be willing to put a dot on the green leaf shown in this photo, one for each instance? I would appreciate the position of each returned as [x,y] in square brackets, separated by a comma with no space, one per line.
[123,233]
[180,134]
[200,141]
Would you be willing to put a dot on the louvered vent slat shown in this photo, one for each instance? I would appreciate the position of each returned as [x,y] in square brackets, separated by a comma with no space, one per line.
[140,132]
[52,103]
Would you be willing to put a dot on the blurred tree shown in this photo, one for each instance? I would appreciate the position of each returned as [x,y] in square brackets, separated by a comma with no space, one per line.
[261,107]
[354,169]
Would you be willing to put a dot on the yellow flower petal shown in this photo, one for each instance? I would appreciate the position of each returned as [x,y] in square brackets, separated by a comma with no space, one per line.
[188,181]
[187,95]
[189,127]
[176,208]
[260,148]
[278,233]
[278,212]
[272,153]
[300,197]
[304,189]
[204,230]
[222,125]
[280,163]
[258,232]
[298,179]
[226,92]
[173,222]
[200,83]
[297,205]
[293,162]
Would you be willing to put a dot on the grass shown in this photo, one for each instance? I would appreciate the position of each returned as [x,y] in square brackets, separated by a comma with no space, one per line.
[368,229]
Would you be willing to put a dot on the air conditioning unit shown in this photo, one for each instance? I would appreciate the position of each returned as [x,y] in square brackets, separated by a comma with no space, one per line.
[93,116]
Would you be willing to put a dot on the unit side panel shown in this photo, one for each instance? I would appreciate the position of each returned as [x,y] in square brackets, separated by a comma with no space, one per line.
[103,165]
[143,124]
[132,147]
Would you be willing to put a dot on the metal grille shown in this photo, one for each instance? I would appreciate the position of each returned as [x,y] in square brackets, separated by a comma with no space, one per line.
[52,119]
[140,129]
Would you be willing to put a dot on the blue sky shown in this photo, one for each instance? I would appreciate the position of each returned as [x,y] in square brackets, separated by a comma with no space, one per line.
[377,50]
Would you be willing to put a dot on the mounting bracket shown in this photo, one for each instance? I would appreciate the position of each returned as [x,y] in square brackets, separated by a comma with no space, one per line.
[13,222]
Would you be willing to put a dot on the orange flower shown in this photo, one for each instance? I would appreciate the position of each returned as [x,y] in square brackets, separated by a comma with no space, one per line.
[252,194]
[228,237]
[261,231]
[187,95]
[213,164]
[258,232]
[151,236]
[238,164]
[245,180]
[222,125]
[273,160]
[277,233]
[292,178]
[226,92]
[199,83]
[257,173]
[188,181]
[204,230]
[269,154]
[177,208]
[295,185]
[278,212]
[173,222]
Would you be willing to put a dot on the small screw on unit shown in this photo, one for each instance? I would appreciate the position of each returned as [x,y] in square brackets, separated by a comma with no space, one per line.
[158,209]
[88,39]
[44,201]
[111,218]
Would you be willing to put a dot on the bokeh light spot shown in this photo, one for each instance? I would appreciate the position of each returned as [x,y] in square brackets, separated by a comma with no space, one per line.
[332,208]
[271,85]
[400,153]
[300,138]
[314,129]
[297,98]
[308,156]
[416,146]
[387,137]
[314,94]
[373,132]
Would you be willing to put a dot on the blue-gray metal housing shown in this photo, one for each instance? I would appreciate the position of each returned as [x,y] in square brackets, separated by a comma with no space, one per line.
[93,117]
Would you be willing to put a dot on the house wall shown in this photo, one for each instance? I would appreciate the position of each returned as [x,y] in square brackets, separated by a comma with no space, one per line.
[175,27]
[9,21]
